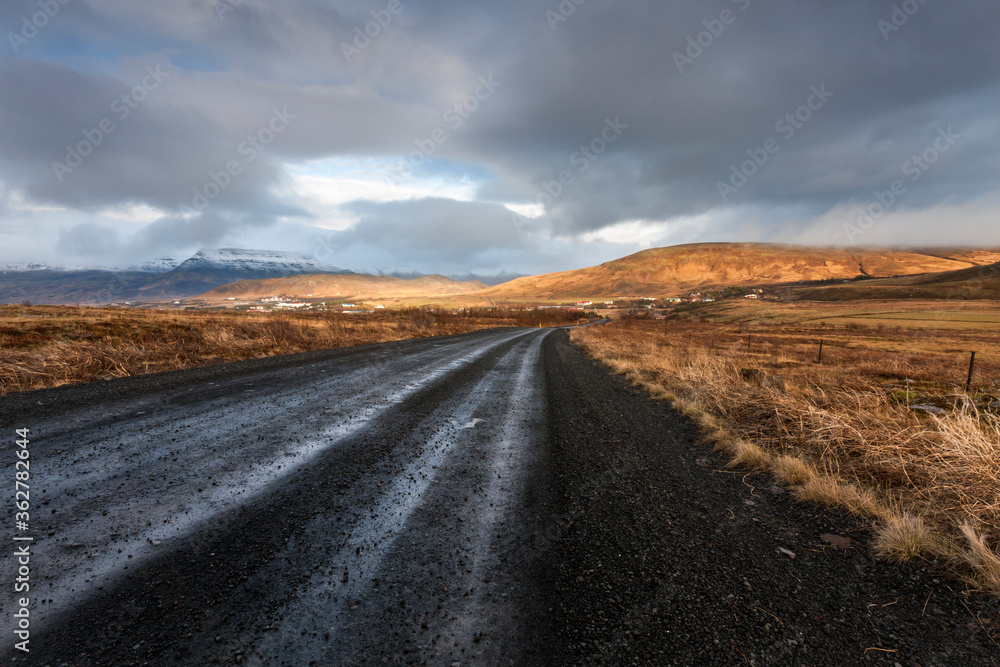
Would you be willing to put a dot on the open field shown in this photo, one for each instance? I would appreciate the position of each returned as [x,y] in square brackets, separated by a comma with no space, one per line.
[844,431]
[49,346]
[872,317]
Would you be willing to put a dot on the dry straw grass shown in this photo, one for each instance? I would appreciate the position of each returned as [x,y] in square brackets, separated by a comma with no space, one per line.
[48,346]
[838,436]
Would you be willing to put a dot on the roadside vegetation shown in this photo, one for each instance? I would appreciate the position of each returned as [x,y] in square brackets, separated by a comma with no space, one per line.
[48,346]
[883,427]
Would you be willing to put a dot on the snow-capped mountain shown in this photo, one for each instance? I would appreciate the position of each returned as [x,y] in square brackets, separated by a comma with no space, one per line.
[27,266]
[155,280]
[267,261]
[209,269]
[161,265]
[407,273]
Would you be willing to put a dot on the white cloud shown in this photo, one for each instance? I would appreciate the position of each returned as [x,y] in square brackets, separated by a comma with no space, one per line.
[134,213]
[323,187]
[532,211]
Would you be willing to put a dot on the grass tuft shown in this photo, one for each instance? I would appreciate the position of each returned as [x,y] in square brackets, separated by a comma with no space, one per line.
[747,454]
[983,560]
[792,469]
[904,537]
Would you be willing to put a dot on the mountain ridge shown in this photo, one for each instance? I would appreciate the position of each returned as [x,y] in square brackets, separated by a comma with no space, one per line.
[673,270]
[666,271]
[167,278]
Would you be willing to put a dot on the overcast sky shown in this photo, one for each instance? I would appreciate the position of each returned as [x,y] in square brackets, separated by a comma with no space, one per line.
[433,134]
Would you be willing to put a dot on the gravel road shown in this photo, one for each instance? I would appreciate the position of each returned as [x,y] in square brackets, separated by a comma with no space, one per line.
[486,498]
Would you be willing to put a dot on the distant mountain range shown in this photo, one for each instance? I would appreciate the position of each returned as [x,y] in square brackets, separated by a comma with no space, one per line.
[209,269]
[157,280]
[167,279]
[150,266]
[230,273]
[156,265]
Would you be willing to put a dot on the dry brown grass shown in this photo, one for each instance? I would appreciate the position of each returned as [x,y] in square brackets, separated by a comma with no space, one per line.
[48,346]
[842,433]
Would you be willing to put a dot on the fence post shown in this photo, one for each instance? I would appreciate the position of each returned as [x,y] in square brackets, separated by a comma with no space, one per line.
[820,359]
[749,338]
[972,367]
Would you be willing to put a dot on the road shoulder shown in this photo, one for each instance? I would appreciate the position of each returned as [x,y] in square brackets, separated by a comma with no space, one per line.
[663,555]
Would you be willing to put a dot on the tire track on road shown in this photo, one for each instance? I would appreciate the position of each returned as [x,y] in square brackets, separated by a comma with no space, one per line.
[99,535]
[237,540]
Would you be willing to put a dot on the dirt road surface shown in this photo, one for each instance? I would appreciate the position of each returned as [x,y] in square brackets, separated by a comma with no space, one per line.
[488,498]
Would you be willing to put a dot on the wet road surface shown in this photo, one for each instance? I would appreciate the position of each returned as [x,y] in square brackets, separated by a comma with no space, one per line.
[330,511]
[489,498]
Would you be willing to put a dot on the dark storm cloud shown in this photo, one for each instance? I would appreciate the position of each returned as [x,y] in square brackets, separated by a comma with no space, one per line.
[688,129]
[698,88]
[115,141]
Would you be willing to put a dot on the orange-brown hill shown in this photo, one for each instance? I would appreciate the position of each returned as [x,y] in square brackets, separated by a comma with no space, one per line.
[974,284]
[680,269]
[343,286]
